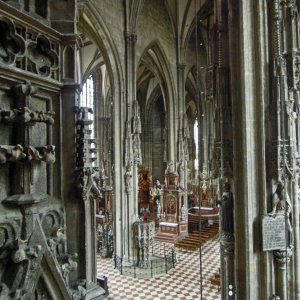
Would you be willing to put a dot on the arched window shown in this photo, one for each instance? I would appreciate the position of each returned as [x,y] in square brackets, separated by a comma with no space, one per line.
[196,134]
[87,100]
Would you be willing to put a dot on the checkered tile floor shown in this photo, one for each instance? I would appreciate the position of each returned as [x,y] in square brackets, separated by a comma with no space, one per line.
[181,283]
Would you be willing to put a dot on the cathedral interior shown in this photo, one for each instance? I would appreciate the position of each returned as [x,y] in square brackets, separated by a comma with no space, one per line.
[129,124]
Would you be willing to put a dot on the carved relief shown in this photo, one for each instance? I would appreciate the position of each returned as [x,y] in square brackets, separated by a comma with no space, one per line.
[283,257]
[20,251]
[69,265]
[7,236]
[19,262]
[55,232]
[26,256]
[25,115]
[9,153]
[57,243]
[51,222]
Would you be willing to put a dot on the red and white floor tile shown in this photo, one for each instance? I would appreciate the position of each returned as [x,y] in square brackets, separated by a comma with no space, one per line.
[181,283]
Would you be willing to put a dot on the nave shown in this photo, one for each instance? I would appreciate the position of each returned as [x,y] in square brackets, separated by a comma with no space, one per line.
[181,283]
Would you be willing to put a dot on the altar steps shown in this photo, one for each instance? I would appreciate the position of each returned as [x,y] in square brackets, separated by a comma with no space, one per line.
[164,238]
[195,239]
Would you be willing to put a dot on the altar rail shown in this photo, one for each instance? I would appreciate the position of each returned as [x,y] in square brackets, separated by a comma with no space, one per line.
[163,259]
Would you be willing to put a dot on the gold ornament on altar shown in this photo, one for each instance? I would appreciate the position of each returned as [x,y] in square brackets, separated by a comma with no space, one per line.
[145,185]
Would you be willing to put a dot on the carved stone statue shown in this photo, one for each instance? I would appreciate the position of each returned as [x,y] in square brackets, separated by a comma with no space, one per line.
[158,209]
[49,154]
[128,178]
[281,204]
[69,266]
[33,153]
[170,167]
[17,153]
[226,211]
[181,171]
[183,212]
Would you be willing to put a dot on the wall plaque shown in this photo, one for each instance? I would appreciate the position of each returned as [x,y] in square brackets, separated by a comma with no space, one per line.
[273,232]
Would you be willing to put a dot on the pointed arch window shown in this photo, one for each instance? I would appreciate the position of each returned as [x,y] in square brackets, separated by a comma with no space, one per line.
[196,135]
[87,99]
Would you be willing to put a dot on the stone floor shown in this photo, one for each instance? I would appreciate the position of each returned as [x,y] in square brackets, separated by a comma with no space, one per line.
[181,283]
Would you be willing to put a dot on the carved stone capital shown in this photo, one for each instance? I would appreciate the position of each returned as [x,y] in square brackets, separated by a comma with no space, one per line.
[227,246]
[282,257]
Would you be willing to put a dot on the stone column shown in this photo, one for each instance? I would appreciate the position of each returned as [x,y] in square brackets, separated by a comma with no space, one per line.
[282,259]
[224,147]
[296,238]
[144,237]
[183,131]
[132,150]
[227,269]
[227,243]
[248,63]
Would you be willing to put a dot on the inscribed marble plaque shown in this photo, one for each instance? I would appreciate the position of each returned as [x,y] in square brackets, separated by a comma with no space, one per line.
[273,232]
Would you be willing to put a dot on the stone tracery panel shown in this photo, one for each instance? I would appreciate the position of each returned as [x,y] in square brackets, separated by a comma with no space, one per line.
[38,55]
[12,45]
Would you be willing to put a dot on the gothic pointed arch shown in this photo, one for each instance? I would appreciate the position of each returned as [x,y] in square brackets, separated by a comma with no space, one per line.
[154,75]
[92,24]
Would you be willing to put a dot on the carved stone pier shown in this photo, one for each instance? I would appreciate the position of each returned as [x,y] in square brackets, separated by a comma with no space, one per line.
[144,236]
[282,259]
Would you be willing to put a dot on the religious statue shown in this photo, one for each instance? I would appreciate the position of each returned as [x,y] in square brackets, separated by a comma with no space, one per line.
[69,265]
[158,209]
[281,205]
[170,167]
[158,185]
[145,184]
[128,177]
[183,212]
[181,173]
[226,212]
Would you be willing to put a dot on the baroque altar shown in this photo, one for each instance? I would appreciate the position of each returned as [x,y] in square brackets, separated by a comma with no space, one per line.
[173,222]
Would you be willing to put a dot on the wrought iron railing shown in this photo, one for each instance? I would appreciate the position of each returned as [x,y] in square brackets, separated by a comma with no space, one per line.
[162,259]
